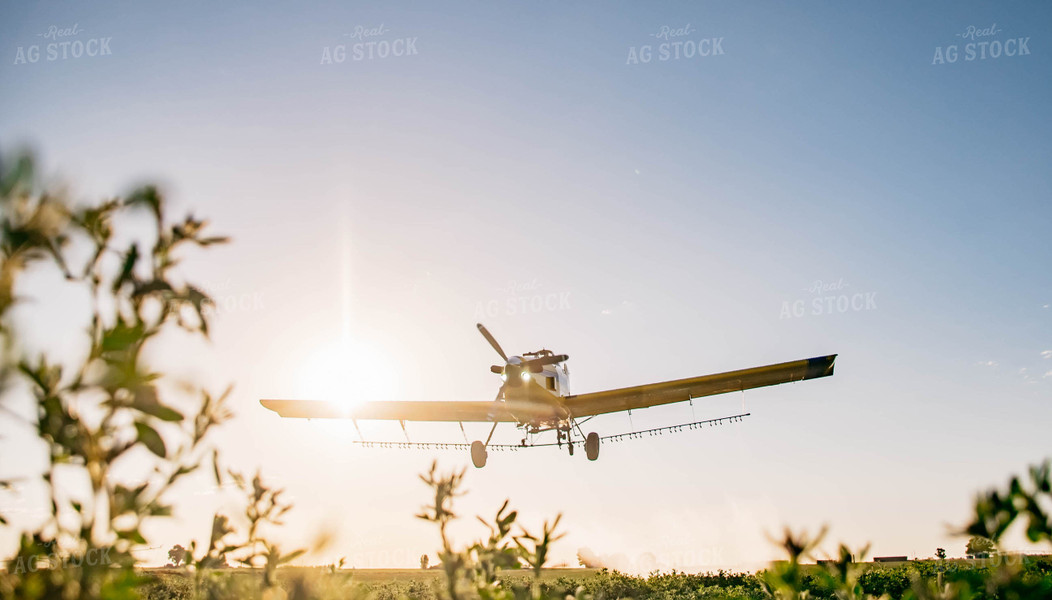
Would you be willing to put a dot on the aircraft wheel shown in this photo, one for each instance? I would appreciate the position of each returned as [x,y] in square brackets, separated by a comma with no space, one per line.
[571,448]
[591,446]
[478,454]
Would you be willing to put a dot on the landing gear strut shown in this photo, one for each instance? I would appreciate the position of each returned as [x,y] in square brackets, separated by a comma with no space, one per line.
[591,441]
[563,434]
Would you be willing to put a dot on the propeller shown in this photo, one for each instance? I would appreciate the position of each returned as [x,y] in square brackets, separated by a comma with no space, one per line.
[492,342]
[534,365]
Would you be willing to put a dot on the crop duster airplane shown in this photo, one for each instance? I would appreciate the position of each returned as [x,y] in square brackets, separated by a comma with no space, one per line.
[535,396]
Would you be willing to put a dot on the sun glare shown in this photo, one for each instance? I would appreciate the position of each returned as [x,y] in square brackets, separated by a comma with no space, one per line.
[348,372]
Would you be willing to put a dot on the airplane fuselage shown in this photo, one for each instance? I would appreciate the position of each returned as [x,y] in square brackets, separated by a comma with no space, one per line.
[547,387]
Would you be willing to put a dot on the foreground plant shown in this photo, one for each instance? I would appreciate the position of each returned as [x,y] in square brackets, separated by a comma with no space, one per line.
[250,547]
[475,571]
[1000,577]
[104,411]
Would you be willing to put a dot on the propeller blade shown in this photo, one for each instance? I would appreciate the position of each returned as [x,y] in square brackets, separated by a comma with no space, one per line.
[536,364]
[492,342]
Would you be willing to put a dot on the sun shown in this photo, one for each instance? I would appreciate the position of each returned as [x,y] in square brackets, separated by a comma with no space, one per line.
[347,372]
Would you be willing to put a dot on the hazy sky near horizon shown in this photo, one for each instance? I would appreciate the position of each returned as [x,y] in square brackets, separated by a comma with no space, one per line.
[675,215]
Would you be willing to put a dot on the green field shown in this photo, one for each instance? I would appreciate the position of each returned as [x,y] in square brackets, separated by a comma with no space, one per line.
[895,579]
[178,584]
[379,576]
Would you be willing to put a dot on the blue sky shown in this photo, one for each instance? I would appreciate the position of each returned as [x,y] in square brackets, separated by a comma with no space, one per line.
[676,205]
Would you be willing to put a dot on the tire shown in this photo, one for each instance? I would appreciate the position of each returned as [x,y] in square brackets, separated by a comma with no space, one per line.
[478,454]
[591,446]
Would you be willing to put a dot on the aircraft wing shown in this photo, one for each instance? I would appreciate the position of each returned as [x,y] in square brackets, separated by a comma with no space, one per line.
[407,411]
[681,390]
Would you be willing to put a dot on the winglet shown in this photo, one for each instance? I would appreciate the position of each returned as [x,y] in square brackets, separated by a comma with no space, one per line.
[820,366]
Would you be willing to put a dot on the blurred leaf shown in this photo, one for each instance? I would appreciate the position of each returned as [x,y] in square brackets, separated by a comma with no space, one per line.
[291,557]
[45,376]
[220,527]
[215,467]
[18,177]
[147,401]
[152,287]
[131,257]
[122,336]
[151,439]
[132,535]
[148,197]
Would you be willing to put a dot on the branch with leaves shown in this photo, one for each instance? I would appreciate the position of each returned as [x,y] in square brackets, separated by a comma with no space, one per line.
[475,571]
[93,414]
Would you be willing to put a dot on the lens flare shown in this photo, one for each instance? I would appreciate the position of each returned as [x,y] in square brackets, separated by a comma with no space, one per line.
[347,372]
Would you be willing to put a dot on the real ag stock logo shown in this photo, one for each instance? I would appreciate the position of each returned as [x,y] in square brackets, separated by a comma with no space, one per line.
[828,297]
[981,43]
[369,43]
[50,557]
[675,43]
[521,298]
[62,43]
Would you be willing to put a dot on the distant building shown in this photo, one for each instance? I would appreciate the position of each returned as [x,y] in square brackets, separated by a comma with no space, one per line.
[890,559]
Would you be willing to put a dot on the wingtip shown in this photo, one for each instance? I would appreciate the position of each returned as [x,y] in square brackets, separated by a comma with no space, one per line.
[821,366]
